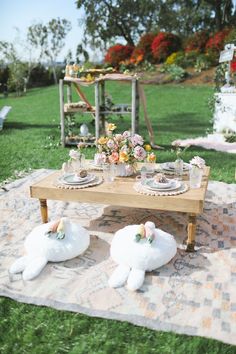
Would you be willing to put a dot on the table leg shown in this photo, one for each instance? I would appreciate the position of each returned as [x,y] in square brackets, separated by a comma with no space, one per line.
[191,233]
[44,210]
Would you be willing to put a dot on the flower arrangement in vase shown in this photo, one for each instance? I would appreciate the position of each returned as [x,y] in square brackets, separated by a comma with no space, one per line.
[179,163]
[123,150]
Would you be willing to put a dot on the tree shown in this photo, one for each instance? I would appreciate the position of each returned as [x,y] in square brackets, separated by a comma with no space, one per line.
[222,10]
[80,51]
[17,69]
[49,39]
[106,20]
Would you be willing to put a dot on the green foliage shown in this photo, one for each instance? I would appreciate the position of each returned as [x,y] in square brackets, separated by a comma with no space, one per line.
[175,72]
[106,21]
[202,63]
[220,76]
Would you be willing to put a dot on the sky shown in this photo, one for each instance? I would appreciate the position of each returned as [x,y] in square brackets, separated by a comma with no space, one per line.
[23,13]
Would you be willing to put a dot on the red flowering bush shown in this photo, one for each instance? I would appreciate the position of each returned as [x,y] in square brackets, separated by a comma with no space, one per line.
[118,53]
[197,42]
[216,42]
[137,56]
[164,44]
[145,45]
[233,65]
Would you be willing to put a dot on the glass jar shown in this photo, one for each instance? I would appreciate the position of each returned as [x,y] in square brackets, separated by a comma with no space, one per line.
[78,164]
[195,177]
[179,166]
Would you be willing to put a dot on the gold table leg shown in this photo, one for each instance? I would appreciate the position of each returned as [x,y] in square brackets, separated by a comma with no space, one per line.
[191,233]
[44,210]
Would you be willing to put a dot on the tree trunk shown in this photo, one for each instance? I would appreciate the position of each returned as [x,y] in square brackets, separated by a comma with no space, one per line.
[218,15]
[54,73]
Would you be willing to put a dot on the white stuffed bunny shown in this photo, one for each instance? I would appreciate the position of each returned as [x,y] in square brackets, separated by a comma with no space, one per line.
[51,242]
[137,249]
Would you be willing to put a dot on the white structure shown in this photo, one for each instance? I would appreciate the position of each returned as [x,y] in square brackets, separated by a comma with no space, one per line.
[225,113]
[225,106]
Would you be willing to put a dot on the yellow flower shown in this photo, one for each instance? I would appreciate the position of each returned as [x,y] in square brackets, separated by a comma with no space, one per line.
[111,127]
[151,157]
[102,140]
[123,156]
[147,147]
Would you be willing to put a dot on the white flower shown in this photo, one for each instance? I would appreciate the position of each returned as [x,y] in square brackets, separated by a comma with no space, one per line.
[137,140]
[197,161]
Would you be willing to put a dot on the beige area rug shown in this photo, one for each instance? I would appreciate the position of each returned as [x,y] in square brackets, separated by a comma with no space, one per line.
[194,294]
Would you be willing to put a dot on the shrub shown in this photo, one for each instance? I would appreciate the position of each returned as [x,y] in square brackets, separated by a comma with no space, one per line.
[40,76]
[118,53]
[197,42]
[231,37]
[145,45]
[137,56]
[164,44]
[171,58]
[202,63]
[216,42]
[175,72]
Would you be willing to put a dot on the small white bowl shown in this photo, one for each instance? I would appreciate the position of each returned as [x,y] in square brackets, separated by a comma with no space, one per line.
[162,184]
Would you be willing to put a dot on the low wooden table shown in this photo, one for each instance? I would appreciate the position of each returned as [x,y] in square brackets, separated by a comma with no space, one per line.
[121,193]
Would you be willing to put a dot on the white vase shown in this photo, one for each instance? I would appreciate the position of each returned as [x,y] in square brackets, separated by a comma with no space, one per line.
[124,170]
[195,177]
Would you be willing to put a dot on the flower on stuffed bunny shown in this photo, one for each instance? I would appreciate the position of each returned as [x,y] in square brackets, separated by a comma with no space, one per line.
[198,162]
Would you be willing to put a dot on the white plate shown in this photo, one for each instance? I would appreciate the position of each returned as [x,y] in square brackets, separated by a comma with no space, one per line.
[175,185]
[95,166]
[170,166]
[70,179]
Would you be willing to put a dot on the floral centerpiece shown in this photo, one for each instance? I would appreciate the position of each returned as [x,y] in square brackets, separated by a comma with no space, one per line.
[124,150]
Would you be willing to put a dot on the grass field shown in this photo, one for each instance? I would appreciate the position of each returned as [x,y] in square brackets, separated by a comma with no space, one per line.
[30,140]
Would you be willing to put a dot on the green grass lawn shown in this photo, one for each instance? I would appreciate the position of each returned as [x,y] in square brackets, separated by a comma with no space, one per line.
[30,140]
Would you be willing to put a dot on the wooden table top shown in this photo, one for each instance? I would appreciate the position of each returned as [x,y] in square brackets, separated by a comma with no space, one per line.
[121,193]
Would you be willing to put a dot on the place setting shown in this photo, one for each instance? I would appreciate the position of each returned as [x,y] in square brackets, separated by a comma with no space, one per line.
[79,180]
[169,168]
[159,184]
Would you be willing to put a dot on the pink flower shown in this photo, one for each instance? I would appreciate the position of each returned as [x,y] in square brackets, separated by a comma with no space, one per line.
[126,134]
[139,153]
[114,157]
[137,140]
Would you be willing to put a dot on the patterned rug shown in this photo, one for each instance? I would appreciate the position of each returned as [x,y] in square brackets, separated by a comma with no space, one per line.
[194,294]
